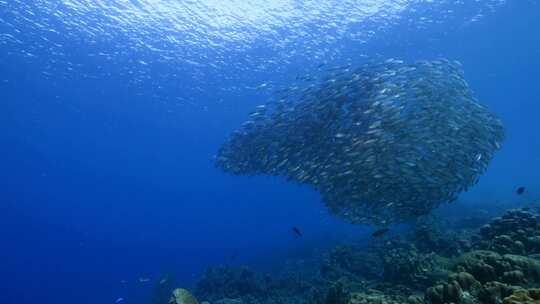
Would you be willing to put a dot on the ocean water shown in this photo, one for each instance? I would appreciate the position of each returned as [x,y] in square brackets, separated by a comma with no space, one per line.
[111,113]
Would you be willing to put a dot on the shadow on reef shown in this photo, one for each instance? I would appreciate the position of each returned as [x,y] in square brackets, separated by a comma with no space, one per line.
[434,263]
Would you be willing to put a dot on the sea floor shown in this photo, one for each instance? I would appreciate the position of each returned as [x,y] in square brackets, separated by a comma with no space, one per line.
[474,259]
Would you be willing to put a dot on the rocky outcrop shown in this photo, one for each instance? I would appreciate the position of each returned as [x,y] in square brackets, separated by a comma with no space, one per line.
[485,277]
[407,266]
[516,232]
[488,266]
[498,266]
[523,296]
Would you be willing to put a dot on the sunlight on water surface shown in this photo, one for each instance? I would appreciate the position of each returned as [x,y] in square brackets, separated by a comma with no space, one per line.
[238,40]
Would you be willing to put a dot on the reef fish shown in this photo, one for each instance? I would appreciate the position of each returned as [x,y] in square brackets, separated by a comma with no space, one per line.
[520,190]
[380,232]
[297,231]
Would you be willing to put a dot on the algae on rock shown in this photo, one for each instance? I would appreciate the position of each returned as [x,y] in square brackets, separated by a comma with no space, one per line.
[182,296]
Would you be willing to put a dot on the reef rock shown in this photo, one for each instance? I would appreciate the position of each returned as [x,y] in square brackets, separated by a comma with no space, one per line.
[516,232]
[229,301]
[523,296]
[353,262]
[475,293]
[406,265]
[374,297]
[486,277]
[432,234]
[488,266]
[337,295]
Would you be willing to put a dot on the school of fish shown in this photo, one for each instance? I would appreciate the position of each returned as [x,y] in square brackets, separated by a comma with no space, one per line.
[382,143]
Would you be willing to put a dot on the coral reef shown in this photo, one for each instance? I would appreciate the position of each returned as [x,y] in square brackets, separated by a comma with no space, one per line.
[231,283]
[485,277]
[430,264]
[488,266]
[516,232]
[229,301]
[523,296]
[353,262]
[337,295]
[375,297]
[406,265]
[463,288]
[431,234]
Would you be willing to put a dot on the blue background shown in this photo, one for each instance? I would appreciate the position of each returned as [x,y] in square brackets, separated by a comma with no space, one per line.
[103,181]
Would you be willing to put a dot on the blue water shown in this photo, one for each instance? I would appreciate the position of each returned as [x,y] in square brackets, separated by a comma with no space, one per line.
[111,112]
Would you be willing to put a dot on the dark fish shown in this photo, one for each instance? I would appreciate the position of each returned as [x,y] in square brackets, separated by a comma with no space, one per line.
[520,190]
[296,231]
[380,232]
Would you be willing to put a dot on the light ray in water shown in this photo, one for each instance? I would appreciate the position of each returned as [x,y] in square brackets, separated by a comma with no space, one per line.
[189,38]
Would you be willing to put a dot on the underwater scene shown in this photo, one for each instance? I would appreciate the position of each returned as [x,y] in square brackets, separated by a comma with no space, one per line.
[270,151]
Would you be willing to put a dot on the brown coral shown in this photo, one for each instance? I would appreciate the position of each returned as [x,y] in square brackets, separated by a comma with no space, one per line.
[182,296]
[488,266]
[516,232]
[523,296]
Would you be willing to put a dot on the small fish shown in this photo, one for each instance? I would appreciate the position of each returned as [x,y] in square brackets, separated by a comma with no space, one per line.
[261,86]
[380,232]
[296,231]
[144,280]
[119,301]
[520,190]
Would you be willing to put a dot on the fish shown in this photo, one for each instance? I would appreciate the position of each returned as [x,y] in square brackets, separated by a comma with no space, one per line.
[370,135]
[297,231]
[380,232]
[520,190]
[261,86]
[144,280]
[119,301]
